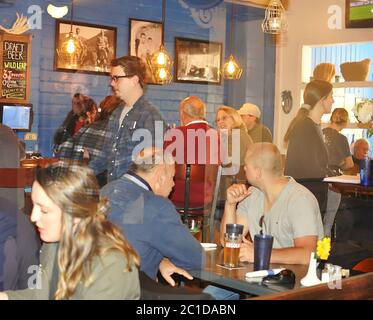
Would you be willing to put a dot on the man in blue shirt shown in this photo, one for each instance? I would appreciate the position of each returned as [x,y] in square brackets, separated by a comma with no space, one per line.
[139,205]
[134,125]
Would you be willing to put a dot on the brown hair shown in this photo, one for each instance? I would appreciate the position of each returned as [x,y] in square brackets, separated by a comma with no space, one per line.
[75,190]
[132,66]
[339,116]
[107,106]
[315,91]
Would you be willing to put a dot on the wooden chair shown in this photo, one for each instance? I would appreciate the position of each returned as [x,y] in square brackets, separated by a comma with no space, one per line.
[16,177]
[201,182]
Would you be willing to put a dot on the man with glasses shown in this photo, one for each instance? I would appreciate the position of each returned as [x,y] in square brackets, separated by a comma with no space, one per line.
[276,205]
[133,123]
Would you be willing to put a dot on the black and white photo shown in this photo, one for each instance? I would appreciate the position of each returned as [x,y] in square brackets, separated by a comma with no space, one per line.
[95,47]
[197,61]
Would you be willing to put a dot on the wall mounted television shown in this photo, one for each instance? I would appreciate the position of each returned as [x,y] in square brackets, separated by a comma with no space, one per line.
[16,116]
[359,14]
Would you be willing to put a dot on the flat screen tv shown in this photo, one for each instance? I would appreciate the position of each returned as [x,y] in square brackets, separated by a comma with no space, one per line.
[16,116]
[359,13]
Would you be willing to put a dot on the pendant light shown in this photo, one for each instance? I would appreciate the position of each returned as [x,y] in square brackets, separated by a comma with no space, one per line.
[275,20]
[160,62]
[70,47]
[231,68]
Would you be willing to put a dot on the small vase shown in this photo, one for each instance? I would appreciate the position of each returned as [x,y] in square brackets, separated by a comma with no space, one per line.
[311,278]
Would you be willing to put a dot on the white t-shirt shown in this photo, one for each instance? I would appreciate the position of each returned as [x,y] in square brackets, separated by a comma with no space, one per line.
[295,214]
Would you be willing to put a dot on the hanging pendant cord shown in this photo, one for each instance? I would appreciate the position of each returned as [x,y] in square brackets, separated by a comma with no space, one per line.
[232,28]
[72,15]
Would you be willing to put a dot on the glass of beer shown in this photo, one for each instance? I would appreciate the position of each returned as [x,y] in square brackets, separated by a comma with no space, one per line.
[232,244]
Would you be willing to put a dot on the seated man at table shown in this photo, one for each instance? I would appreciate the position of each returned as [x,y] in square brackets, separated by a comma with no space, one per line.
[276,204]
[194,142]
[360,151]
[139,205]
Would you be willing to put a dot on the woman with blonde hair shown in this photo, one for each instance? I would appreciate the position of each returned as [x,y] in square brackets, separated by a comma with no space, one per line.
[227,120]
[84,256]
[339,153]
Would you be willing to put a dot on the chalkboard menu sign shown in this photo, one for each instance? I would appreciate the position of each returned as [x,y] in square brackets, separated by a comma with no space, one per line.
[15,67]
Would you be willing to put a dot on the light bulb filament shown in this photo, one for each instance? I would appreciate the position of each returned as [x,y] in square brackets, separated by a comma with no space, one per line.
[231,68]
[161,59]
[162,73]
[70,46]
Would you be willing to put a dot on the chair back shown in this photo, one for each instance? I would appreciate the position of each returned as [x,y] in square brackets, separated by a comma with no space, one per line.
[16,177]
[195,188]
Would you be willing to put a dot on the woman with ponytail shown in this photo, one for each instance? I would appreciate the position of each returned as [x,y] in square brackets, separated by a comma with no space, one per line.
[307,157]
[84,256]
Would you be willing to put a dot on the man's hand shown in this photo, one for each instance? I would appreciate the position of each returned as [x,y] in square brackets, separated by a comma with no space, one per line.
[247,251]
[167,269]
[236,193]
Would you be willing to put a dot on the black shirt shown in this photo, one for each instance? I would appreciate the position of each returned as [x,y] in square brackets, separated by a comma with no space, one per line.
[307,157]
[337,146]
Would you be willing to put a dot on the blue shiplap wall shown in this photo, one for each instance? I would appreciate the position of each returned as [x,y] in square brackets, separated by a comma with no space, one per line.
[51,91]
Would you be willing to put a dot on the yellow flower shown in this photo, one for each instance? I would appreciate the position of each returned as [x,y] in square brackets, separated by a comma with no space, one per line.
[323,248]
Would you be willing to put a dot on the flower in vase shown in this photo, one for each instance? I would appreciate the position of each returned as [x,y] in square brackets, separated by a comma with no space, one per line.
[363,111]
[323,249]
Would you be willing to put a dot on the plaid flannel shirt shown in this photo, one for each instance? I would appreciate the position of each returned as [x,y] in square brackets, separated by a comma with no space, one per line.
[120,141]
[90,136]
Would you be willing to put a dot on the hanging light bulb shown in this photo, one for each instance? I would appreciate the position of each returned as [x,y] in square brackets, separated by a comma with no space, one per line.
[162,73]
[231,68]
[160,62]
[274,21]
[161,59]
[70,46]
[70,50]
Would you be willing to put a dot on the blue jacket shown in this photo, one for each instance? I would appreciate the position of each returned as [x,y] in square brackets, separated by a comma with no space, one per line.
[153,227]
[116,155]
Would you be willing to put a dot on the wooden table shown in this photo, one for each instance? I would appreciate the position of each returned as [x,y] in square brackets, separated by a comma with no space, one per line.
[352,189]
[235,279]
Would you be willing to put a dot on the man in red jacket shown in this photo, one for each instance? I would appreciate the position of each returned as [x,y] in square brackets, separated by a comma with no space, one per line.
[194,142]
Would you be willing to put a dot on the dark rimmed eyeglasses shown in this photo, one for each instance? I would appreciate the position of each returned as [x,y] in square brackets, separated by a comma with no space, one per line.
[116,78]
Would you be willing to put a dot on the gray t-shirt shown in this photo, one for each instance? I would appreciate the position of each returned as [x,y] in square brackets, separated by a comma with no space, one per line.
[295,214]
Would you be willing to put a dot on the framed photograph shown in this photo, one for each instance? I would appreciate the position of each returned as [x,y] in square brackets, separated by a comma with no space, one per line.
[359,14]
[96,47]
[197,61]
[145,38]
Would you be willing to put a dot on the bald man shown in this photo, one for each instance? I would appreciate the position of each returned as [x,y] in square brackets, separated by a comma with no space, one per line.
[360,151]
[276,204]
[194,142]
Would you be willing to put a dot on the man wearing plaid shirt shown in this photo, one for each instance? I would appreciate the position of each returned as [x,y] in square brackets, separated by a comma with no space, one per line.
[136,123]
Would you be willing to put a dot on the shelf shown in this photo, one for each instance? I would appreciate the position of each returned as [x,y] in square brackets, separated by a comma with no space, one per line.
[348,84]
[353,125]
